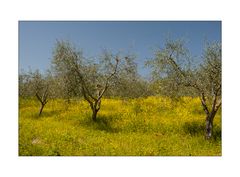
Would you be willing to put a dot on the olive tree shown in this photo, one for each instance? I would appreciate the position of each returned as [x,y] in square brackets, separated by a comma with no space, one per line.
[34,84]
[40,87]
[128,83]
[128,87]
[66,86]
[173,65]
[92,77]
[23,84]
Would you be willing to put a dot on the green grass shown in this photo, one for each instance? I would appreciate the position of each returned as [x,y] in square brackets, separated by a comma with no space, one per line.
[151,126]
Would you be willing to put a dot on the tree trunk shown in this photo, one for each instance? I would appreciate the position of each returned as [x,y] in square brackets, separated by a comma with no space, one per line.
[209,124]
[41,109]
[209,127]
[94,114]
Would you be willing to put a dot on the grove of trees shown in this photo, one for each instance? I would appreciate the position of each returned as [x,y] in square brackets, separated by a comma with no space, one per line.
[174,74]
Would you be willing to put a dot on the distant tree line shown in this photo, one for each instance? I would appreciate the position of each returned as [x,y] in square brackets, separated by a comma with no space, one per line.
[174,74]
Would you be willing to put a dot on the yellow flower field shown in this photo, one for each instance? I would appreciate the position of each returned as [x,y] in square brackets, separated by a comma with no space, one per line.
[153,126]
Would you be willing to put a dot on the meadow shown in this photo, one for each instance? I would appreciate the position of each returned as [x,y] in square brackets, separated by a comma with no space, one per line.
[153,126]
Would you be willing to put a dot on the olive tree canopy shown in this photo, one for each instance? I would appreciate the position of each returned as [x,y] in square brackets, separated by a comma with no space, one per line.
[93,77]
[173,66]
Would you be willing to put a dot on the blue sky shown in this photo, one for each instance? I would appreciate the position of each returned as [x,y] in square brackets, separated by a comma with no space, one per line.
[37,39]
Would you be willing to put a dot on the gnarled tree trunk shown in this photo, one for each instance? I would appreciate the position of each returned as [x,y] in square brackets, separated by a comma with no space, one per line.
[209,127]
[43,100]
[94,115]
[42,106]
[95,108]
[210,114]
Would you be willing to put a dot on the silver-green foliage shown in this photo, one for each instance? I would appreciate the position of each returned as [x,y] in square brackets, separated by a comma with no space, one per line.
[175,71]
[92,77]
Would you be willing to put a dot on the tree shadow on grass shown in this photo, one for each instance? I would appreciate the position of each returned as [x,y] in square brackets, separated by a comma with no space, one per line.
[44,114]
[194,128]
[103,123]
[217,133]
[50,113]
[198,129]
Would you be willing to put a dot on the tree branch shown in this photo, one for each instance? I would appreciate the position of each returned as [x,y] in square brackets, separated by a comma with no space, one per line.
[179,70]
[39,98]
[45,95]
[99,105]
[86,98]
[218,104]
[107,80]
[203,101]
[214,102]
[83,82]
[175,66]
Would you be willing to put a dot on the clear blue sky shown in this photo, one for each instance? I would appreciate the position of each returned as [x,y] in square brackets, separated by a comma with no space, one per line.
[37,39]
